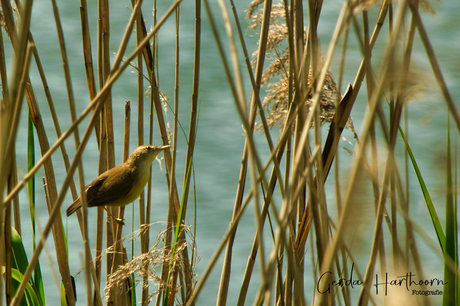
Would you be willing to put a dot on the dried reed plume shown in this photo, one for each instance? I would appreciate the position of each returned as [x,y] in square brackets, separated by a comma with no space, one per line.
[276,102]
[146,263]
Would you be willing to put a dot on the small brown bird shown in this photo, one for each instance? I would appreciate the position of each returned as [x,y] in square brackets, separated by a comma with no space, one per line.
[122,184]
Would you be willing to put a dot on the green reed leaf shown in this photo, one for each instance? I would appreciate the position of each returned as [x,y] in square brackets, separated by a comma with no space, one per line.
[450,293]
[426,194]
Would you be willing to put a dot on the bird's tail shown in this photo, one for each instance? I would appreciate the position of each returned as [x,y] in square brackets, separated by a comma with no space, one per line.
[73,207]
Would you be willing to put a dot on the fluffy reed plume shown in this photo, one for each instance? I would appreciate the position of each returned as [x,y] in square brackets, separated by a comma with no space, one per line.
[276,100]
[275,77]
[148,263]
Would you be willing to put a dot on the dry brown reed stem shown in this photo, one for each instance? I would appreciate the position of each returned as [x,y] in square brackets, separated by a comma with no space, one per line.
[20,94]
[255,87]
[118,245]
[144,201]
[255,245]
[281,241]
[169,217]
[255,97]
[116,64]
[11,108]
[52,109]
[103,144]
[3,76]
[73,115]
[410,247]
[140,132]
[140,85]
[107,154]
[193,119]
[370,82]
[6,245]
[7,238]
[267,201]
[232,87]
[358,163]
[49,172]
[377,239]
[156,102]
[302,62]
[58,231]
[174,151]
[212,262]
[248,123]
[225,276]
[190,142]
[303,231]
[435,65]
[87,55]
[277,152]
[9,24]
[329,151]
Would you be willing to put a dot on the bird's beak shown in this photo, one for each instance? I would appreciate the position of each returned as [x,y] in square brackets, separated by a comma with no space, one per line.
[165,147]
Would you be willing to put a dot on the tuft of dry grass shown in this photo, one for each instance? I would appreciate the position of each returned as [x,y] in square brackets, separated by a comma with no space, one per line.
[144,266]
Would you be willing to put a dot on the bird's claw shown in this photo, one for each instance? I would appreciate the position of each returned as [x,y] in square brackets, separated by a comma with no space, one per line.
[120,221]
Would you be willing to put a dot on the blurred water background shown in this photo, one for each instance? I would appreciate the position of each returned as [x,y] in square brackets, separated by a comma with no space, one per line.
[220,136]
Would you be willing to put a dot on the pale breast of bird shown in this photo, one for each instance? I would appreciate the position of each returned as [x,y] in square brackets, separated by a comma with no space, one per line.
[136,190]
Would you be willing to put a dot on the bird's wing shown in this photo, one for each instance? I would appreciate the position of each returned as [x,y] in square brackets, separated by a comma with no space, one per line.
[92,189]
[109,187]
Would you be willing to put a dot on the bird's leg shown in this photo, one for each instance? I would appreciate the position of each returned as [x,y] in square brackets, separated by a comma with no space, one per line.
[119,221]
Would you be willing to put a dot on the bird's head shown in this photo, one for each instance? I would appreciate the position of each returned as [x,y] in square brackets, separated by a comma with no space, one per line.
[145,154]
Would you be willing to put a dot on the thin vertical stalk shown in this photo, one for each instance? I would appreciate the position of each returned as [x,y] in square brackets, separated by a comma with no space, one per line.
[276,169]
[3,72]
[10,149]
[107,157]
[193,122]
[73,116]
[53,113]
[7,235]
[299,75]
[193,119]
[409,239]
[146,235]
[118,247]
[225,275]
[435,65]
[178,227]
[49,172]
[370,86]
[143,215]
[87,54]
[102,147]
